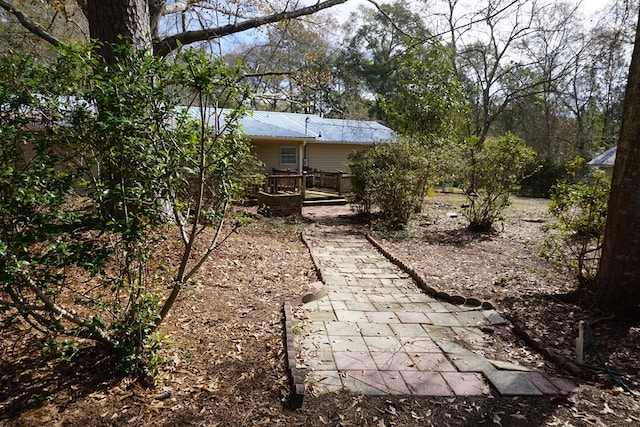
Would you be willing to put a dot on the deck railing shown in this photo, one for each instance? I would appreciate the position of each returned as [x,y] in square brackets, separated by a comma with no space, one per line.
[339,181]
[288,181]
[277,184]
[276,171]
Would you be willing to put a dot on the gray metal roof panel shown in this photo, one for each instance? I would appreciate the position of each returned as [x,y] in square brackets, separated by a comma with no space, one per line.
[326,130]
[260,129]
[354,131]
[267,123]
[309,126]
[608,158]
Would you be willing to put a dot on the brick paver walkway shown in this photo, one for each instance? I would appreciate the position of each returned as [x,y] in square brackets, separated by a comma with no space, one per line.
[376,332]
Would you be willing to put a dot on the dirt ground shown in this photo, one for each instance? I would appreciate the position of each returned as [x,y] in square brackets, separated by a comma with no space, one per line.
[225,363]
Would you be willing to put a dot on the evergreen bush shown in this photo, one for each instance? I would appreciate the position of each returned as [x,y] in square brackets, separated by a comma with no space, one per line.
[579,206]
[394,177]
[491,173]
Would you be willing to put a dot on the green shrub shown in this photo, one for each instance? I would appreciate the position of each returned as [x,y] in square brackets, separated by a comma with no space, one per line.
[580,211]
[96,161]
[540,178]
[491,173]
[394,177]
[361,198]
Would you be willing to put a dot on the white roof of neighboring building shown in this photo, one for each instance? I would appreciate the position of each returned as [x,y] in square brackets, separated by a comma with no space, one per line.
[606,159]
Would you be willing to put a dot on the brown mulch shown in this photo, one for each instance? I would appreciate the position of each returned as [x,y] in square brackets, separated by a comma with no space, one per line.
[225,363]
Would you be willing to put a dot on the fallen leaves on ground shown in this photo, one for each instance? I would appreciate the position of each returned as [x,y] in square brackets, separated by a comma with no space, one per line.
[225,360]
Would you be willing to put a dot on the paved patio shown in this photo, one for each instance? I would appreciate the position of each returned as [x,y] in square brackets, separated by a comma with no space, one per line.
[375,332]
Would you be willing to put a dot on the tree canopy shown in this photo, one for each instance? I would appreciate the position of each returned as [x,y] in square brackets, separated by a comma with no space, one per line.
[168,24]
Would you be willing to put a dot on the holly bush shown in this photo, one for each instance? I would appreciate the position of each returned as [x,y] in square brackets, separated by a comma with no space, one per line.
[101,163]
[394,177]
[491,173]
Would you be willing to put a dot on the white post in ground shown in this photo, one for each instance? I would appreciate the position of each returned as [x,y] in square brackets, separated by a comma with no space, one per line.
[580,343]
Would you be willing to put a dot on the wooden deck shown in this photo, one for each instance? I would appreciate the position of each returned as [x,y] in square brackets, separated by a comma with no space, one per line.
[323,197]
[328,188]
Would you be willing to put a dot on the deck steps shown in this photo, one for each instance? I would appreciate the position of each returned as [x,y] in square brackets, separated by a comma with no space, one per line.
[338,201]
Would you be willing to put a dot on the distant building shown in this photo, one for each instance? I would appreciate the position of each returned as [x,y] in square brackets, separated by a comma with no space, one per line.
[605,160]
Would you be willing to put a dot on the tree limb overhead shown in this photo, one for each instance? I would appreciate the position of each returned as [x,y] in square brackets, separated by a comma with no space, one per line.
[29,24]
[168,44]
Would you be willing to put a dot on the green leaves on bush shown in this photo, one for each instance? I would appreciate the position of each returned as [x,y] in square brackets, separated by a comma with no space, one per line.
[579,206]
[394,177]
[491,172]
[99,163]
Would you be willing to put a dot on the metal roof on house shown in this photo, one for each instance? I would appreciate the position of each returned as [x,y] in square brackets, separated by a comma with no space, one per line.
[606,159]
[274,124]
[319,128]
[270,124]
[270,130]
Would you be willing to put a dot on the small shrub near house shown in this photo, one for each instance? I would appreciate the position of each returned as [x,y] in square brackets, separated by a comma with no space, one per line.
[392,177]
[579,206]
[491,173]
[361,196]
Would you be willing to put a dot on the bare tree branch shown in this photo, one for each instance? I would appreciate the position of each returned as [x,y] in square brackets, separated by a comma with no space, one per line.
[167,45]
[29,24]
[96,332]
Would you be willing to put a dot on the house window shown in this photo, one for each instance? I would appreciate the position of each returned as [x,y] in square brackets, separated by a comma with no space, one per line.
[287,156]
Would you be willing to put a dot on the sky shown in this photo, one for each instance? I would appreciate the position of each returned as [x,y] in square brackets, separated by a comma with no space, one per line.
[343,11]
[587,7]
[591,10]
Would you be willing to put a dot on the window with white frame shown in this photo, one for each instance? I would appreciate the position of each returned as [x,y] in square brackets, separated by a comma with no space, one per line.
[287,156]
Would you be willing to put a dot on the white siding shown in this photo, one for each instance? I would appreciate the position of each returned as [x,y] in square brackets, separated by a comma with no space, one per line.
[269,153]
[330,157]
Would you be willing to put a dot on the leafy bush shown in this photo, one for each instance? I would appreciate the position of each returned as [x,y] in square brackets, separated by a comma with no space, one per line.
[540,178]
[96,160]
[360,166]
[579,207]
[491,173]
[394,177]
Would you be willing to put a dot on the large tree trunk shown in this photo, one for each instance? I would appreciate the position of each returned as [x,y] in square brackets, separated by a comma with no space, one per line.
[156,8]
[618,280]
[114,21]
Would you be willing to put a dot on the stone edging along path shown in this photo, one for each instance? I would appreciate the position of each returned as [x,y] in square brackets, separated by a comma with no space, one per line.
[518,327]
[453,299]
[319,290]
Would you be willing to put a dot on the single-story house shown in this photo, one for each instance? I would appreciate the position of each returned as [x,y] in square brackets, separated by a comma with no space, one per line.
[301,142]
[605,160]
[296,143]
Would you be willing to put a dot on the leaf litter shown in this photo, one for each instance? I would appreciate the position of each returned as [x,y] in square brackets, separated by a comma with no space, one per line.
[225,360]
